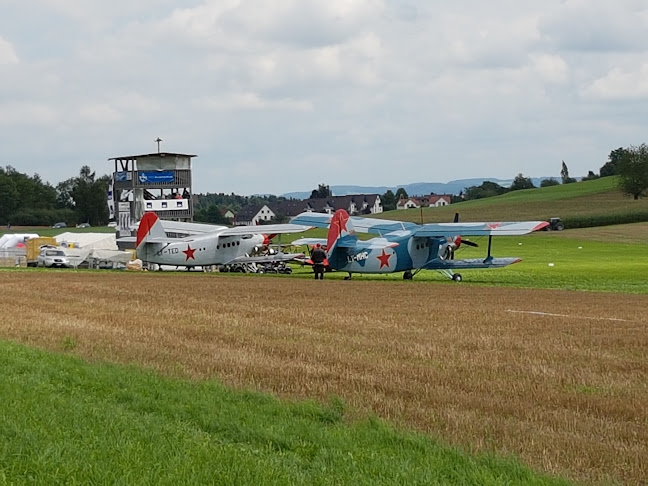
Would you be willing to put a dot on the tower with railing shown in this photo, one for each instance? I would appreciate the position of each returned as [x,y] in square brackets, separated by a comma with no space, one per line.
[159,182]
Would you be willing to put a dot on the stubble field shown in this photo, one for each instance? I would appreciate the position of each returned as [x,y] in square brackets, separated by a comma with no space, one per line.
[557,378]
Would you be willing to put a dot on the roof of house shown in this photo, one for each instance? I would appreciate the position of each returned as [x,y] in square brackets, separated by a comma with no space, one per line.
[247,213]
[293,207]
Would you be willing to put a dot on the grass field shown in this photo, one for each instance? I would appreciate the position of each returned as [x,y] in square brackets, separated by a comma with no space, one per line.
[557,378]
[68,422]
[588,198]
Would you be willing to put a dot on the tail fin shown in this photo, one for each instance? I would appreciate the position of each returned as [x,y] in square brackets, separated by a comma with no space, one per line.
[341,232]
[150,227]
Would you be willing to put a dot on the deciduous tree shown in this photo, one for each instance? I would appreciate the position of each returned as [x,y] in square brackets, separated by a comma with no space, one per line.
[521,182]
[633,171]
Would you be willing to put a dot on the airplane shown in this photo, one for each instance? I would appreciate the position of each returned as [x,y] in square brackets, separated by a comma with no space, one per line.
[206,245]
[403,246]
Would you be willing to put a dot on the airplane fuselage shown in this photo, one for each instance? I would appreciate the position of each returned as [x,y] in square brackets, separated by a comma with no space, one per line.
[200,251]
[397,252]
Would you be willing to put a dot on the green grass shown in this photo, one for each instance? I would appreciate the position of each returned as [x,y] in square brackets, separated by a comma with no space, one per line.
[595,266]
[64,421]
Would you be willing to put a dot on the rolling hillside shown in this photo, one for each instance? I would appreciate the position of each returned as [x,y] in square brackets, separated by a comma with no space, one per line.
[599,199]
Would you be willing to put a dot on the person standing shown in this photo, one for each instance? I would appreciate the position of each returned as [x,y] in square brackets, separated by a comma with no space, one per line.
[318,256]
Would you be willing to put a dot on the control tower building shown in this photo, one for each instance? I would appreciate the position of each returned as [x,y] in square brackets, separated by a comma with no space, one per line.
[159,182]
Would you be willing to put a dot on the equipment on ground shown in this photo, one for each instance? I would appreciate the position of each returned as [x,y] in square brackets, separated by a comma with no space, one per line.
[555,224]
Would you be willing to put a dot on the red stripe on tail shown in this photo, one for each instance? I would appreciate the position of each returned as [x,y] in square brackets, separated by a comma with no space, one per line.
[147,222]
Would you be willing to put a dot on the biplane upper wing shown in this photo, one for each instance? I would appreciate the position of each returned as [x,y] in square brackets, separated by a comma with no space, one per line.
[439,264]
[265,229]
[479,229]
[190,228]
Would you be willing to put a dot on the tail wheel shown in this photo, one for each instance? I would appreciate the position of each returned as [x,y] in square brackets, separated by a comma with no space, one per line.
[407,275]
[457,277]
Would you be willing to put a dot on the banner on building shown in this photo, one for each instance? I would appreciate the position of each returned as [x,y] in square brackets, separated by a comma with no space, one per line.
[124,224]
[158,177]
[111,200]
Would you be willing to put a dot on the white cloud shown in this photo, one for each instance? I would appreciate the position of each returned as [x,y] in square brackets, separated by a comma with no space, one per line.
[620,84]
[251,101]
[379,92]
[7,53]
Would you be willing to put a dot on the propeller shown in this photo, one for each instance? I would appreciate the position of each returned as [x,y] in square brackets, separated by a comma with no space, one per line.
[458,241]
[267,238]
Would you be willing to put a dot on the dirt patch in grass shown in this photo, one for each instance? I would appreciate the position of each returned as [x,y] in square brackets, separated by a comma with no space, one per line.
[558,378]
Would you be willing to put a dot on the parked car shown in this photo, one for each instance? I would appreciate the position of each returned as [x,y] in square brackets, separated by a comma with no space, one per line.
[83,225]
[52,257]
[59,225]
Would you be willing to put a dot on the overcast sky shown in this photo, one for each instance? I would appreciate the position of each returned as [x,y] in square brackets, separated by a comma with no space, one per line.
[280,95]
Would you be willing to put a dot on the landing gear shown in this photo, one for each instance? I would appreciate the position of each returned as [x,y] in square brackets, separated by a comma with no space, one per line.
[407,275]
[348,277]
[457,277]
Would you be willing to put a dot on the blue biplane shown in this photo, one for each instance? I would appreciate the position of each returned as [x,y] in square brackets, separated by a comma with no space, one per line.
[403,246]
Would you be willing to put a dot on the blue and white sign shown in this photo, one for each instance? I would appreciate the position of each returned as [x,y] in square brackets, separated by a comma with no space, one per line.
[123,176]
[161,177]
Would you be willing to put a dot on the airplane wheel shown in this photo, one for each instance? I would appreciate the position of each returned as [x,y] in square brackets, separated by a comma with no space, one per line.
[457,277]
[407,275]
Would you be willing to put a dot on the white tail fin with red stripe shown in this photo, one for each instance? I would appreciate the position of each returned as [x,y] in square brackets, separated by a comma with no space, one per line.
[150,228]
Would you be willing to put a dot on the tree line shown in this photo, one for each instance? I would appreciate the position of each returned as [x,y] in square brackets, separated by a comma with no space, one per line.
[629,164]
[30,201]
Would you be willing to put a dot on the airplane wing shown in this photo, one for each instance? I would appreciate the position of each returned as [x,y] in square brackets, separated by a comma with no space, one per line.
[277,257]
[361,225]
[438,264]
[479,229]
[380,226]
[189,228]
[318,220]
[309,241]
[265,229]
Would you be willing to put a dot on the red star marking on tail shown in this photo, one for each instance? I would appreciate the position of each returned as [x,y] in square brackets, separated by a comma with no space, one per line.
[384,259]
[189,252]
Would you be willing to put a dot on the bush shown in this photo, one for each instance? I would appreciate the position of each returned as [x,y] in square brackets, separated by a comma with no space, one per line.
[605,219]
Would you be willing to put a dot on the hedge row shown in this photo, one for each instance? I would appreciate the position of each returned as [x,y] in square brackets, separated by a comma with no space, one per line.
[605,219]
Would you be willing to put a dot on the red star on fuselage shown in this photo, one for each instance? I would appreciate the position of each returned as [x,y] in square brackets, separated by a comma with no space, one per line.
[384,259]
[189,252]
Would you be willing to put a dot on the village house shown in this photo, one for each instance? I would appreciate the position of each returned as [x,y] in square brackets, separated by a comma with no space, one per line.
[431,201]
[254,215]
[353,204]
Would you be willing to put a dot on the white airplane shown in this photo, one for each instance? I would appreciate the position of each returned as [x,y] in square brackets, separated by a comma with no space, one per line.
[206,244]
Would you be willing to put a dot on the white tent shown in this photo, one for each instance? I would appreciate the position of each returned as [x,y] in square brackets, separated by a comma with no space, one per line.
[11,240]
[88,241]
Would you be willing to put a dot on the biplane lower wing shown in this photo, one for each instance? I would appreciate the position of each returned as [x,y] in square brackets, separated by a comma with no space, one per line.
[439,264]
[276,257]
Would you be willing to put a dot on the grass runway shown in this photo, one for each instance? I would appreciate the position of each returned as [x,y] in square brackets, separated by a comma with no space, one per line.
[557,378]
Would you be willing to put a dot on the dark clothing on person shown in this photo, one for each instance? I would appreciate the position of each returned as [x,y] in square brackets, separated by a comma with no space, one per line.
[318,256]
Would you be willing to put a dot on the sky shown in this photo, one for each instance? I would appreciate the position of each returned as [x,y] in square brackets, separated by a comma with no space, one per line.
[277,96]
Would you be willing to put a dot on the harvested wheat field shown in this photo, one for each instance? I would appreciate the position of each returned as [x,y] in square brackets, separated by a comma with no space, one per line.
[481,367]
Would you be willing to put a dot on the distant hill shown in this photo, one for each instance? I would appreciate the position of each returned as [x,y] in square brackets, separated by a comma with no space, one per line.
[582,204]
[415,188]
